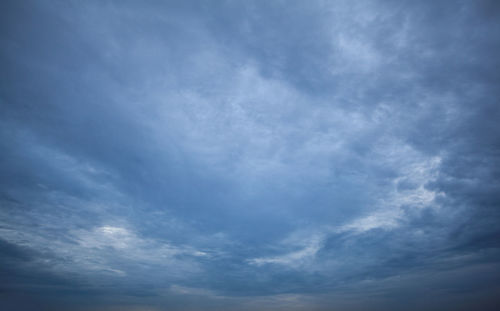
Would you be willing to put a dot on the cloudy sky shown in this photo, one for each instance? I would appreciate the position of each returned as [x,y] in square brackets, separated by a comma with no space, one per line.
[249,155]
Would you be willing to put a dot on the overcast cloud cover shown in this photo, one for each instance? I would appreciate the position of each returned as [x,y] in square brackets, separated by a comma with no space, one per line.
[249,155]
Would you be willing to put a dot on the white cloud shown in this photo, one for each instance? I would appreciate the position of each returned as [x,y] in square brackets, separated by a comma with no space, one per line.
[414,169]
[301,258]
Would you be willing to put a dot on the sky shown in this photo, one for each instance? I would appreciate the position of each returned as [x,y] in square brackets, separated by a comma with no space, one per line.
[249,155]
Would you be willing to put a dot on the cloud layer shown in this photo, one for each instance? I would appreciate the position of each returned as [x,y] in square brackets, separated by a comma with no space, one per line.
[194,155]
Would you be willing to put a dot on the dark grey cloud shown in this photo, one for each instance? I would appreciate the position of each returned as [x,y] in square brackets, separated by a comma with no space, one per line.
[248,155]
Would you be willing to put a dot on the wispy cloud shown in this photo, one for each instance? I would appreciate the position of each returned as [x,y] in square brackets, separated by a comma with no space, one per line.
[248,155]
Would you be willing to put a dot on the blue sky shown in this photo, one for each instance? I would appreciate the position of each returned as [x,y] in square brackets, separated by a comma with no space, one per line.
[249,155]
